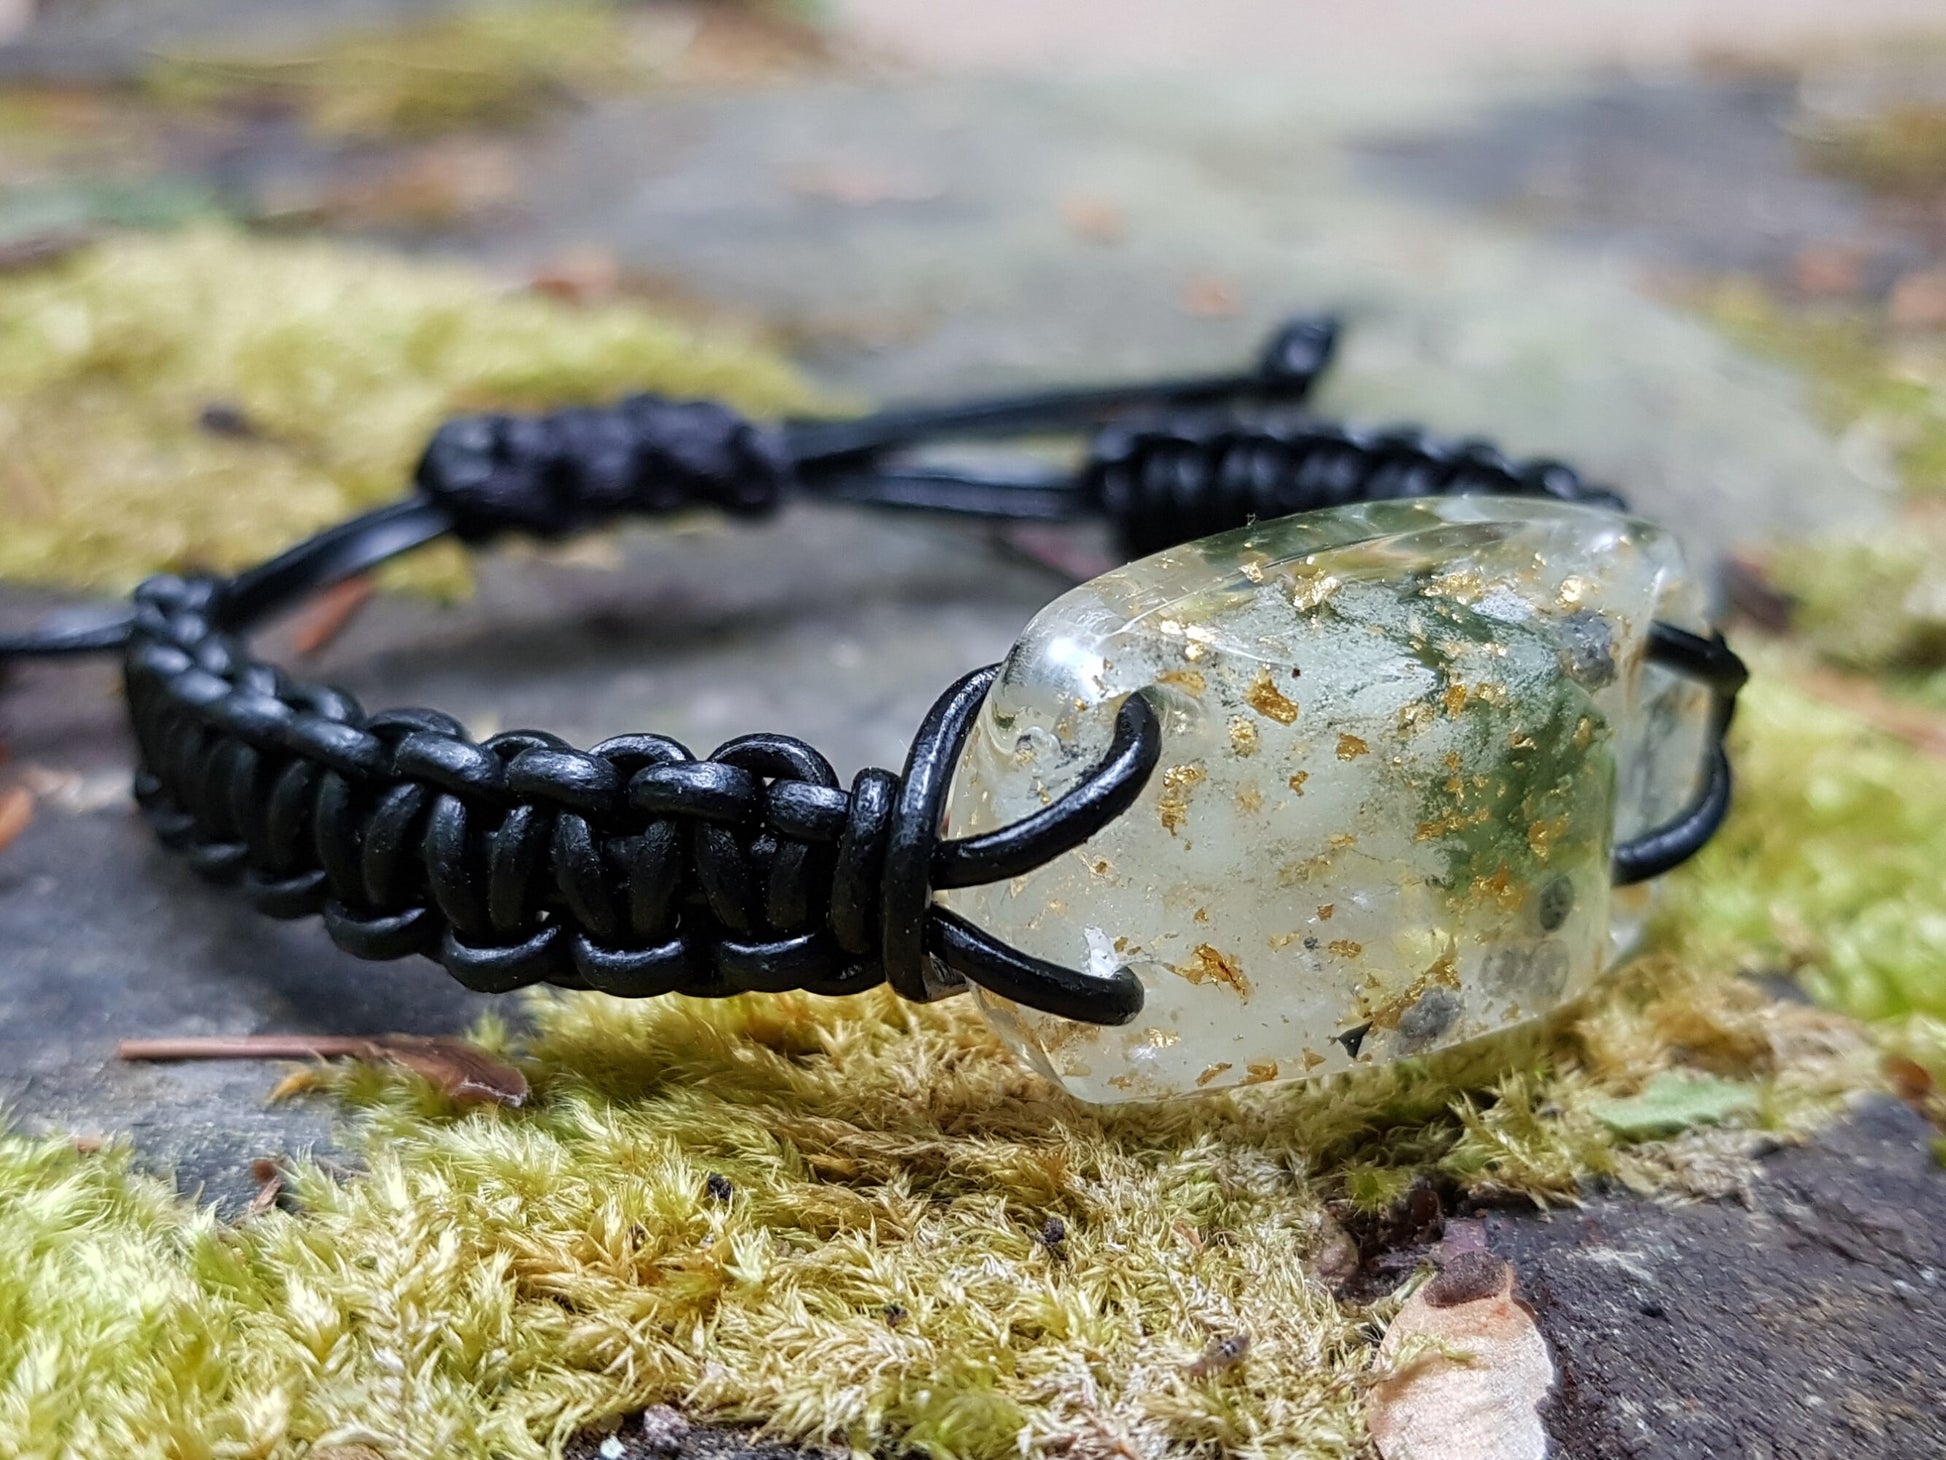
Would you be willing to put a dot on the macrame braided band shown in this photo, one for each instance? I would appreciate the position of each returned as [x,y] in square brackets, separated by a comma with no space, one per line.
[634,868]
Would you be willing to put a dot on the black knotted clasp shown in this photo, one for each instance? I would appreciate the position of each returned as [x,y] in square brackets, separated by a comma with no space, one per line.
[573,469]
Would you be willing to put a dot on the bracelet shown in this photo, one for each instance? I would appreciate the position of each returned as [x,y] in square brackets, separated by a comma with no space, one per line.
[1345,767]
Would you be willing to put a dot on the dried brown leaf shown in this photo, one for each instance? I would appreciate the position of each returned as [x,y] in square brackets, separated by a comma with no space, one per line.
[269,1177]
[1464,1370]
[331,613]
[464,1071]
[16,813]
[1911,1081]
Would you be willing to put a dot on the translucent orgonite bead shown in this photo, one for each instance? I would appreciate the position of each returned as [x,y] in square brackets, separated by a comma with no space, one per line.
[1399,742]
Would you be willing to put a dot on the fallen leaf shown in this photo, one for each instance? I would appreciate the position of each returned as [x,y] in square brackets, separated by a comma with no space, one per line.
[1673,1101]
[330,613]
[1828,270]
[583,275]
[1918,301]
[1208,297]
[1911,1081]
[1465,1370]
[464,1071]
[1094,220]
[269,1177]
[16,812]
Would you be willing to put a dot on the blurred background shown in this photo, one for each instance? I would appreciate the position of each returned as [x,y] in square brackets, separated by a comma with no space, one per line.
[252,253]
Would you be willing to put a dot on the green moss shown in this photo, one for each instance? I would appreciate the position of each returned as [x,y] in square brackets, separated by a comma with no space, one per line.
[1832,867]
[1874,599]
[1865,380]
[498,1279]
[491,66]
[341,360]
[1901,151]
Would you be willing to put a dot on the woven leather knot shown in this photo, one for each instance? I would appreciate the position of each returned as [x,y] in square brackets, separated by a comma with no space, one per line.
[1168,481]
[574,469]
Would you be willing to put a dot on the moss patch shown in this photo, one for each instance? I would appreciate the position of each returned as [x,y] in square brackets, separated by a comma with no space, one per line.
[488,66]
[1866,378]
[1833,866]
[327,367]
[495,66]
[879,1274]
[1900,151]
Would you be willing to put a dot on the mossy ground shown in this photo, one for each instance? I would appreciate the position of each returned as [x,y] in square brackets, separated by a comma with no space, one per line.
[494,66]
[203,398]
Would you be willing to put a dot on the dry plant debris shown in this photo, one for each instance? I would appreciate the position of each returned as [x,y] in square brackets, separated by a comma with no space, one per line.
[1463,1370]
[461,1070]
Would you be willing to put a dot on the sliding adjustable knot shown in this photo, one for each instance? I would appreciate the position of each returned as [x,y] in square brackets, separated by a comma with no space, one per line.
[1172,481]
[573,469]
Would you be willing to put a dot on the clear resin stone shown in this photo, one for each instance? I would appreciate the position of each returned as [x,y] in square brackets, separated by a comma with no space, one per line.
[1399,742]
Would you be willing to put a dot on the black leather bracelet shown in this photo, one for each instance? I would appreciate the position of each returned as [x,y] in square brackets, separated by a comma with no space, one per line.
[637,868]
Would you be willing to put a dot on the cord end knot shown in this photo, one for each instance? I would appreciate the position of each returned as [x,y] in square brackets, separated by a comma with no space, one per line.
[575,469]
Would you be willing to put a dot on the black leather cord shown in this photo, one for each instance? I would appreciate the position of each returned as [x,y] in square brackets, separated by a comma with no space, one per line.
[638,868]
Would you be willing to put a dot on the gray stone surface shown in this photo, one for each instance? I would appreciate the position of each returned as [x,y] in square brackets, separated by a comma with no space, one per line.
[1238,203]
[1809,1324]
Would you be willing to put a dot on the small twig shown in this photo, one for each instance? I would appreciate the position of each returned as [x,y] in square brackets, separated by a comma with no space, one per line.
[250,1047]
